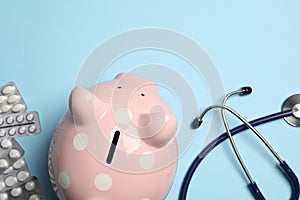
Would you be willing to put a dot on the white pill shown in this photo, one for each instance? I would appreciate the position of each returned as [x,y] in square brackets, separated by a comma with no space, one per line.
[23,176]
[4,164]
[18,108]
[31,129]
[3,196]
[10,181]
[1,121]
[2,99]
[30,186]
[10,120]
[14,154]
[5,108]
[22,130]
[20,118]
[13,99]
[12,132]
[2,186]
[16,192]
[2,133]
[34,197]
[30,117]
[10,169]
[8,90]
[19,164]
[6,144]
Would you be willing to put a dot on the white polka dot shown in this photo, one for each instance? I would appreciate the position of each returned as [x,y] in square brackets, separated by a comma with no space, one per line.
[103,182]
[123,116]
[147,160]
[130,143]
[167,117]
[146,199]
[64,180]
[80,141]
[131,131]
[89,97]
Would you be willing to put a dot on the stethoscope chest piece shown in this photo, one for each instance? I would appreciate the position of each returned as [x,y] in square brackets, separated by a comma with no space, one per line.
[292,103]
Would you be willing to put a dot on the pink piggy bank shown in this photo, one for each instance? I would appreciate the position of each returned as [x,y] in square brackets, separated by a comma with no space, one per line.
[117,142]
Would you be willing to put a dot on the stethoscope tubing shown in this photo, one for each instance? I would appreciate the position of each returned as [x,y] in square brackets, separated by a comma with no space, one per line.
[222,138]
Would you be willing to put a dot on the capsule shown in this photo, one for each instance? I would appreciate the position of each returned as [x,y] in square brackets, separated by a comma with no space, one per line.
[18,108]
[3,99]
[13,99]
[8,90]
[5,108]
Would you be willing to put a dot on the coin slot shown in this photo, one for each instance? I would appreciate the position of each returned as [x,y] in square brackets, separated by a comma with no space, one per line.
[112,148]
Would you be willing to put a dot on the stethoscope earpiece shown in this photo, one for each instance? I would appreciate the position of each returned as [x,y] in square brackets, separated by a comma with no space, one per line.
[246,90]
[196,123]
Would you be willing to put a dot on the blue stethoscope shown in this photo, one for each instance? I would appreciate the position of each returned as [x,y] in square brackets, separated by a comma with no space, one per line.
[290,112]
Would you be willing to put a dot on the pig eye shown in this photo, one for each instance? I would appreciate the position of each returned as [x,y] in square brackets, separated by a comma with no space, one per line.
[142,94]
[119,87]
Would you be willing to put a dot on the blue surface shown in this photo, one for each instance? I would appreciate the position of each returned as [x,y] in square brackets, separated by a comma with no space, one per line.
[42,46]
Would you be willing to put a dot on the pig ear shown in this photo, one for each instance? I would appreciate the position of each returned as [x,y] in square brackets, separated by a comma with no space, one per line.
[120,75]
[85,106]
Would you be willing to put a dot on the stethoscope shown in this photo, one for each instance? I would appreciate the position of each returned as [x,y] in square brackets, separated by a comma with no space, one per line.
[290,112]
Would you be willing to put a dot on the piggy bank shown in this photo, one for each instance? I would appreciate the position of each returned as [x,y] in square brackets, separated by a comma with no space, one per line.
[117,141]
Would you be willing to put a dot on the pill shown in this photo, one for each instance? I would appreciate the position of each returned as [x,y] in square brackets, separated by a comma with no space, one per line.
[30,186]
[10,169]
[12,132]
[10,181]
[3,196]
[10,120]
[14,154]
[5,108]
[20,118]
[2,99]
[8,89]
[6,144]
[31,129]
[22,176]
[34,197]
[16,192]
[2,133]
[4,164]
[2,185]
[1,121]
[22,130]
[18,108]
[13,99]
[30,117]
[19,163]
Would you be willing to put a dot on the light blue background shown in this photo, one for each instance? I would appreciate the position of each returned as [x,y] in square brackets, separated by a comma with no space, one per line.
[42,46]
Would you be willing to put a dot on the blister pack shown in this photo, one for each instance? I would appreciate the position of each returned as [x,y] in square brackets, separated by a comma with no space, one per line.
[15,176]
[19,124]
[10,99]
[10,152]
[16,182]
[30,190]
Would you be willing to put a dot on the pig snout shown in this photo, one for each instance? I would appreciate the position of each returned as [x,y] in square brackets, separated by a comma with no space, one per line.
[157,127]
